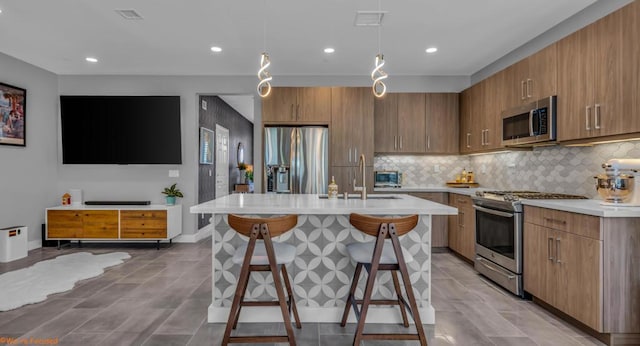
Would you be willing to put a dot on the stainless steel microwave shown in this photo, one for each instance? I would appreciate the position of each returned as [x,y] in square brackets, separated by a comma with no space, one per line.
[529,124]
[387,179]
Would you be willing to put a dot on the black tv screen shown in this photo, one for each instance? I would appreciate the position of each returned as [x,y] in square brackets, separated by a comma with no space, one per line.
[120,129]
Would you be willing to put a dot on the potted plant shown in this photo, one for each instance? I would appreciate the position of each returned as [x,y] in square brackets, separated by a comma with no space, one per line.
[172,192]
[242,167]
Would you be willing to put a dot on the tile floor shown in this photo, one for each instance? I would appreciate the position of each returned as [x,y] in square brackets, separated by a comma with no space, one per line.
[161,298]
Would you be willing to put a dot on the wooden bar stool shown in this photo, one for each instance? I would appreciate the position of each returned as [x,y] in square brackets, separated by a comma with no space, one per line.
[385,253]
[263,255]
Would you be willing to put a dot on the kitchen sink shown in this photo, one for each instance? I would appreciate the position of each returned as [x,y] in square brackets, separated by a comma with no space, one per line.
[358,197]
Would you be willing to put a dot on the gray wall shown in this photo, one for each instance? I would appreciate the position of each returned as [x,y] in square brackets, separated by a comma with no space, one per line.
[29,176]
[240,131]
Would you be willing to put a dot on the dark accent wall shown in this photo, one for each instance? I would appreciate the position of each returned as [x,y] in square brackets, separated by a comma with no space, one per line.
[240,130]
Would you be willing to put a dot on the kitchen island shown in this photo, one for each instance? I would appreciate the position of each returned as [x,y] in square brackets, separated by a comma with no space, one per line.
[321,273]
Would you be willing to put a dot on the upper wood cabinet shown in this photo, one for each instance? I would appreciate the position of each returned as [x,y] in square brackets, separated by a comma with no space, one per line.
[442,121]
[631,67]
[466,124]
[590,81]
[351,126]
[417,123]
[297,105]
[386,123]
[532,78]
[400,123]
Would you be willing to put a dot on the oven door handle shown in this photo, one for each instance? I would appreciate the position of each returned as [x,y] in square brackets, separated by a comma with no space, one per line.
[491,211]
[492,268]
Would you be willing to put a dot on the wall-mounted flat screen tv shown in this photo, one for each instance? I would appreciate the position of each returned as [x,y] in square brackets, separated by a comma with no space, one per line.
[120,129]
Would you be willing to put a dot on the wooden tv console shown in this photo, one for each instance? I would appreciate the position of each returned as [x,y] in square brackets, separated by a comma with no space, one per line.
[107,223]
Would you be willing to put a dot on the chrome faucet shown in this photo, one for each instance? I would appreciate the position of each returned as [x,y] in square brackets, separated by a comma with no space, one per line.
[363,188]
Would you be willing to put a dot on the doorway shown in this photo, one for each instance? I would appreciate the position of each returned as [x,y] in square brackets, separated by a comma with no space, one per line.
[222,161]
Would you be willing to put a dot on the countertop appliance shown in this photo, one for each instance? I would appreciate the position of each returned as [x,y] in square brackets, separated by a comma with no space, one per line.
[296,159]
[387,179]
[530,124]
[617,186]
[499,223]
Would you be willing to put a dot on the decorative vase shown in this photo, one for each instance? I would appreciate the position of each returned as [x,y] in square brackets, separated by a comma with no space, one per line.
[243,176]
[171,200]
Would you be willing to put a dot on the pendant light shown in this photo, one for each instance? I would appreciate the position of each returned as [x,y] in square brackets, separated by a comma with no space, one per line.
[264,77]
[378,75]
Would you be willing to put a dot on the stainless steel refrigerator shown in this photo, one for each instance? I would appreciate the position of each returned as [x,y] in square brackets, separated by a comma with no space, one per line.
[296,159]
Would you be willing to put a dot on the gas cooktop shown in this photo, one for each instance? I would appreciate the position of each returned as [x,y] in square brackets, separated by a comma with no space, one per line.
[515,195]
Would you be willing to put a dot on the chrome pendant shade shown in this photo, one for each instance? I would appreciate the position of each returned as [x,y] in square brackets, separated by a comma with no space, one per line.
[264,85]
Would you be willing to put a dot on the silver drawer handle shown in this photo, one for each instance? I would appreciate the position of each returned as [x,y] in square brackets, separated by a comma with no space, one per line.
[484,263]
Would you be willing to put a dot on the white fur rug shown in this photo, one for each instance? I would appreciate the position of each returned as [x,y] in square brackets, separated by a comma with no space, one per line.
[33,284]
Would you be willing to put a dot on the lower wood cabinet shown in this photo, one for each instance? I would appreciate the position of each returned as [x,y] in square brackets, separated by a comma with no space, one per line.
[143,224]
[439,223]
[562,267]
[153,222]
[462,227]
[82,224]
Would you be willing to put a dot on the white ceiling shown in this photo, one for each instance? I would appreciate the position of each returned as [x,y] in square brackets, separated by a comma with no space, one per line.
[175,37]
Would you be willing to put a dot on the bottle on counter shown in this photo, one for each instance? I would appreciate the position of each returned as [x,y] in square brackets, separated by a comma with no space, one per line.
[463,176]
[470,177]
[332,191]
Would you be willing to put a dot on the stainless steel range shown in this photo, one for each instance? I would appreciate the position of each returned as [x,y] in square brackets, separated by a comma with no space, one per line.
[499,223]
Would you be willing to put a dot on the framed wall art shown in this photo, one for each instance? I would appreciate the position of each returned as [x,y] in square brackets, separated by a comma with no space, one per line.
[206,146]
[13,111]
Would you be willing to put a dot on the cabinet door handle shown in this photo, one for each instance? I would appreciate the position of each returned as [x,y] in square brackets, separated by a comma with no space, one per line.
[428,142]
[587,115]
[522,91]
[395,142]
[400,142]
[550,220]
[596,118]
[529,87]
[355,155]
[549,246]
[468,140]
[349,155]
[558,250]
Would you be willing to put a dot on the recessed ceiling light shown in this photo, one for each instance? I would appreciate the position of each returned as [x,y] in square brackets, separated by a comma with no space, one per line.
[90,59]
[216,49]
[329,50]
[431,50]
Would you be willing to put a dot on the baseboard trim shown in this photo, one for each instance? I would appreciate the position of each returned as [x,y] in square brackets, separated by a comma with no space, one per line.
[34,244]
[202,233]
[318,315]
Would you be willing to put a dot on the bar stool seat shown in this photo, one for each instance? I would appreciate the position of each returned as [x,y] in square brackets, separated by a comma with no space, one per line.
[362,253]
[285,254]
[385,253]
[260,255]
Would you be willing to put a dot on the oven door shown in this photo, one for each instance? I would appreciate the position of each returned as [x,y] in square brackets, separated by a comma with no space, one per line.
[499,237]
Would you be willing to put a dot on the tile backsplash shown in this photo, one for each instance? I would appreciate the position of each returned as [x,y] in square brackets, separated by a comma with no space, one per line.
[547,169]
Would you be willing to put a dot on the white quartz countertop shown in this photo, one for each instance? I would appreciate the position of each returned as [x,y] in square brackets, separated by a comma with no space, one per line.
[584,206]
[587,206]
[401,204]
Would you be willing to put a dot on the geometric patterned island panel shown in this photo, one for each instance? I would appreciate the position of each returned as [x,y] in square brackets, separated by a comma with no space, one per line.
[321,273]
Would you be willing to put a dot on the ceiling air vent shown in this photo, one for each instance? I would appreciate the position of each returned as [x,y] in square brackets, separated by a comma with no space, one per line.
[129,14]
[369,18]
